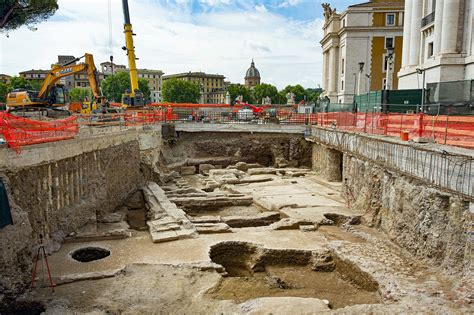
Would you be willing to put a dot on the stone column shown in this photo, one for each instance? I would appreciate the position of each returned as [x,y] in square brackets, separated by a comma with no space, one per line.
[450,26]
[415,36]
[325,71]
[438,28]
[406,33]
[335,68]
[331,69]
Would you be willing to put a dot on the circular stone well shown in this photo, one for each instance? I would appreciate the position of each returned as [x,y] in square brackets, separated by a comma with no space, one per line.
[88,254]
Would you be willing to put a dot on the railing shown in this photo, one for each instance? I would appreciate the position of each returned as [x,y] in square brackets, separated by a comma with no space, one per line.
[428,19]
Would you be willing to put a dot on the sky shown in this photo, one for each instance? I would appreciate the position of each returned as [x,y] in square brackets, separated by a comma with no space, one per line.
[213,36]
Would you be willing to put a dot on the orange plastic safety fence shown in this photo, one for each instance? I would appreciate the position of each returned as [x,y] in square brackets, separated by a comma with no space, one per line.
[19,131]
[451,130]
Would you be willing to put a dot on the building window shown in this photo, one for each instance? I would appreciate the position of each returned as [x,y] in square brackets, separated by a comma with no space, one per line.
[384,84]
[342,85]
[430,49]
[388,42]
[390,19]
[344,23]
[342,66]
[385,63]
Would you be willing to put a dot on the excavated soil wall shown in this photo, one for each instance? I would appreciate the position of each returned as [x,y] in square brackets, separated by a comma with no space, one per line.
[56,197]
[226,148]
[431,224]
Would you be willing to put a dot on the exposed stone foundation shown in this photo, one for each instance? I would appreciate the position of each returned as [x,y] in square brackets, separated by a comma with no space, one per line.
[427,222]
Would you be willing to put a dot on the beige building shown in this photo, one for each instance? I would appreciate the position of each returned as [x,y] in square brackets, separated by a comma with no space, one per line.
[252,76]
[439,41]
[5,78]
[34,74]
[211,85]
[362,48]
[153,77]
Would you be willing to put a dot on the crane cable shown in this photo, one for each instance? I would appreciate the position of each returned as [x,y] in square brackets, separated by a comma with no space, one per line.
[109,3]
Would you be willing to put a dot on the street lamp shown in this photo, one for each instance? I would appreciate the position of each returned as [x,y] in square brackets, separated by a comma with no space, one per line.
[422,71]
[361,69]
[388,79]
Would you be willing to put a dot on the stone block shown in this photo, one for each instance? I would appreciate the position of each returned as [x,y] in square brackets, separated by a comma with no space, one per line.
[206,219]
[204,168]
[188,170]
[164,236]
[210,228]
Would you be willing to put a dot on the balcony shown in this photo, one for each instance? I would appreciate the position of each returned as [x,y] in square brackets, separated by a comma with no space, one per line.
[428,19]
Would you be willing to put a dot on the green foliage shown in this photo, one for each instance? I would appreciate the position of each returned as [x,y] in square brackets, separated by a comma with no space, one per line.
[15,13]
[238,89]
[263,90]
[180,91]
[19,83]
[80,94]
[312,95]
[115,85]
[143,87]
[4,89]
[297,90]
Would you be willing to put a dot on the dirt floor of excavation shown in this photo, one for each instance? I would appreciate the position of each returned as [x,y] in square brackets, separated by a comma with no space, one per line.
[296,281]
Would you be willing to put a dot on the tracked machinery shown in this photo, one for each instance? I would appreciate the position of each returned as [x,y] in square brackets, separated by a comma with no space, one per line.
[52,97]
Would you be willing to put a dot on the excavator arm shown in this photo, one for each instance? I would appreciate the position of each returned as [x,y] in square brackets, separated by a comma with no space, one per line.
[61,71]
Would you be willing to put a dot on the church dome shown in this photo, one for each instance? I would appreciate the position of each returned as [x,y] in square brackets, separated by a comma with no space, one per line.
[252,72]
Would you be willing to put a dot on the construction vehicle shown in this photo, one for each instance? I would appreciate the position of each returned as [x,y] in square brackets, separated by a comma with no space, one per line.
[134,98]
[52,95]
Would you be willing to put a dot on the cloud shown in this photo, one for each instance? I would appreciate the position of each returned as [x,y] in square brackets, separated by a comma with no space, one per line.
[289,3]
[174,36]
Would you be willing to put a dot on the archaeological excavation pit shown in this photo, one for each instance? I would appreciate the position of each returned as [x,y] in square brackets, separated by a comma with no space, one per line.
[88,254]
[252,271]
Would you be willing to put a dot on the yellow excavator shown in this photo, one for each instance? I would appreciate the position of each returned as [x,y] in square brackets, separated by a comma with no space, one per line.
[134,98]
[53,96]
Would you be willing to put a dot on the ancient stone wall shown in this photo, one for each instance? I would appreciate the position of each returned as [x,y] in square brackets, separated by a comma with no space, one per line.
[431,224]
[56,197]
[230,147]
[327,162]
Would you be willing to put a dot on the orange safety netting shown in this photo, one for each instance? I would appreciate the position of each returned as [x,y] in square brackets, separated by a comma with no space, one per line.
[149,117]
[19,131]
[452,130]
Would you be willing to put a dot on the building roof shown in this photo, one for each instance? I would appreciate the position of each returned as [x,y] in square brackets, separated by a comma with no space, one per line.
[35,71]
[149,71]
[252,72]
[380,3]
[193,74]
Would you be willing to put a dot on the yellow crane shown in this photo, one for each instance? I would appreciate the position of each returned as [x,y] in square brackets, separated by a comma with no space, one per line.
[51,94]
[133,98]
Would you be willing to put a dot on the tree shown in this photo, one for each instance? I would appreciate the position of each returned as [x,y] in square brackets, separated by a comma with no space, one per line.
[180,91]
[79,95]
[15,13]
[312,95]
[4,89]
[143,87]
[115,85]
[239,89]
[19,83]
[263,90]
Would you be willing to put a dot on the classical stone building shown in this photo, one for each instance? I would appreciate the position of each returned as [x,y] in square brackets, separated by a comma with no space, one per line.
[438,39]
[355,48]
[211,85]
[153,77]
[252,76]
